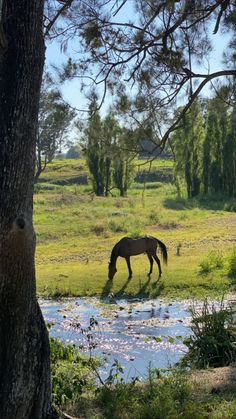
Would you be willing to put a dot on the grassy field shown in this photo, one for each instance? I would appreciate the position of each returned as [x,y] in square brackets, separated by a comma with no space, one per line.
[76,231]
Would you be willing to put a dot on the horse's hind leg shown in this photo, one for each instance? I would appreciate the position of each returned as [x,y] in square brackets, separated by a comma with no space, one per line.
[151,263]
[129,266]
[158,264]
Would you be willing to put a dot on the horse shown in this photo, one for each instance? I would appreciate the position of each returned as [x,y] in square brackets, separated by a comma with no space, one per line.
[130,246]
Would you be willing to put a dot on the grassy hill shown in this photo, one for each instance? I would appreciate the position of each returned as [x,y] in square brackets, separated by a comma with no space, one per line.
[76,231]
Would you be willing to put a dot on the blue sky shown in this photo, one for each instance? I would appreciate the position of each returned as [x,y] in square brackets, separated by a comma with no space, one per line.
[71,90]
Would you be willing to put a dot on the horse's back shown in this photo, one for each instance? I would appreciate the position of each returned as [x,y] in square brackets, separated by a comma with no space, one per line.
[131,246]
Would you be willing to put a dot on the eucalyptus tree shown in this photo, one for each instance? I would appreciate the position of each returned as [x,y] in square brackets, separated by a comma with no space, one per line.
[229,153]
[213,146]
[95,150]
[187,145]
[123,156]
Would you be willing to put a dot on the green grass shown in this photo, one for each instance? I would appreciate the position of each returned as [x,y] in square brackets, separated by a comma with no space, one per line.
[166,397]
[77,230]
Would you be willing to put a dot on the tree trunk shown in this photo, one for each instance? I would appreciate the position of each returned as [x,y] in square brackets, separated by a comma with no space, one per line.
[25,387]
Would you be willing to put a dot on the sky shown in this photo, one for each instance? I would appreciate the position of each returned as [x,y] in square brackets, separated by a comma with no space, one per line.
[71,90]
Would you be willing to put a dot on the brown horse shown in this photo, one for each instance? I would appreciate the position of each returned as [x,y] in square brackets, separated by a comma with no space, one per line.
[129,246]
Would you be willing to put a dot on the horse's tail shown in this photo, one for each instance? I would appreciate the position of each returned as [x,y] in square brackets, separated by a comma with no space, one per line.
[163,251]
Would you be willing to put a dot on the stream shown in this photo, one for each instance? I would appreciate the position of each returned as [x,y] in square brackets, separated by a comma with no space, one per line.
[139,334]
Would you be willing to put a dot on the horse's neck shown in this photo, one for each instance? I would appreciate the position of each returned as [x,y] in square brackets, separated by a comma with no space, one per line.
[114,255]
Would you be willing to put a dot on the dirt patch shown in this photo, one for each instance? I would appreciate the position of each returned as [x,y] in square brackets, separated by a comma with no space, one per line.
[215,380]
[228,220]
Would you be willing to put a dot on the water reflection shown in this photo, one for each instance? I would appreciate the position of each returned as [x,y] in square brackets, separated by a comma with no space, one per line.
[136,333]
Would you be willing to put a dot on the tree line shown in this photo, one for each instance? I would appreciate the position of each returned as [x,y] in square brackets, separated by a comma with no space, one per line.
[204,147]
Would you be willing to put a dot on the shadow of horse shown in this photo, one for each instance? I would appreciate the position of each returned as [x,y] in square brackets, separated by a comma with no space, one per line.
[106,291]
[157,288]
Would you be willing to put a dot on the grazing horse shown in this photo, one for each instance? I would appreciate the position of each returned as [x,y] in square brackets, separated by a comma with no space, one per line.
[129,246]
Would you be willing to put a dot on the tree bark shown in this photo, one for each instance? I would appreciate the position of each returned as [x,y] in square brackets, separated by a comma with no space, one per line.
[25,385]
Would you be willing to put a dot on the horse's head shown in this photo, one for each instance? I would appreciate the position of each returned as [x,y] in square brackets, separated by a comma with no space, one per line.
[111,270]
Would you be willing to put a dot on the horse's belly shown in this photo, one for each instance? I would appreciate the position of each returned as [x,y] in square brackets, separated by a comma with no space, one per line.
[132,252]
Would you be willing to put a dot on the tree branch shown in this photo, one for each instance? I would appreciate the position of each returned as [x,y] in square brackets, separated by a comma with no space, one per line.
[67,4]
[208,78]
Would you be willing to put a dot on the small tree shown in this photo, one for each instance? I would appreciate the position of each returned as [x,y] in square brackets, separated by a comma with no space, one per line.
[55,117]
[95,150]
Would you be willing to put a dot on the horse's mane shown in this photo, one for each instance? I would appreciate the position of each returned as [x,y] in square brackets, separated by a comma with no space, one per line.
[114,254]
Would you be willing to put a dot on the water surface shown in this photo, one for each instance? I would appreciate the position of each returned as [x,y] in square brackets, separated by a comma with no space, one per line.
[139,334]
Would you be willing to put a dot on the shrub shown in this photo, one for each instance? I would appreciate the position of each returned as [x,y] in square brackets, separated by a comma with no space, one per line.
[154,218]
[71,372]
[136,232]
[166,397]
[213,342]
[41,187]
[213,261]
[117,226]
[98,229]
[230,207]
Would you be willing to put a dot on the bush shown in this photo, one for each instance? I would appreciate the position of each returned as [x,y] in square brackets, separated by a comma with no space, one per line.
[98,229]
[158,398]
[213,262]
[154,218]
[230,207]
[213,343]
[136,232]
[71,372]
[41,187]
[117,226]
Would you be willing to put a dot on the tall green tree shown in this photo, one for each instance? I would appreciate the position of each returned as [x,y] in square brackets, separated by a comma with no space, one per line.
[218,165]
[229,157]
[95,148]
[187,143]
[123,172]
[212,160]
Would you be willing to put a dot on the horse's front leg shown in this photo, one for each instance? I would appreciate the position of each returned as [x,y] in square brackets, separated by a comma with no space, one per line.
[129,266]
[158,264]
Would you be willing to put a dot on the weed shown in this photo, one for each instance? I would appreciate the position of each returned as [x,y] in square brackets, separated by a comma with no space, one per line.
[212,343]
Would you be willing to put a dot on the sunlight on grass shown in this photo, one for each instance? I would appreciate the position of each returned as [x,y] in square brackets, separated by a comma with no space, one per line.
[77,230]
